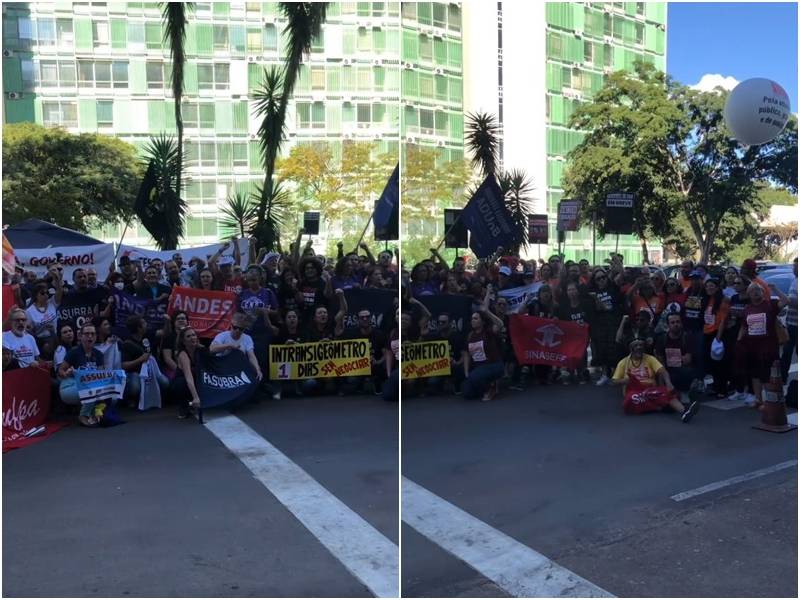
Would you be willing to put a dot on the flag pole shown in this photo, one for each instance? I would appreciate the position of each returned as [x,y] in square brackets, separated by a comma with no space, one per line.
[363,232]
[452,225]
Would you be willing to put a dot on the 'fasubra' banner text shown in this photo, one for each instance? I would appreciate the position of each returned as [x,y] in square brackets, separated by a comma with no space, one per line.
[338,358]
[425,359]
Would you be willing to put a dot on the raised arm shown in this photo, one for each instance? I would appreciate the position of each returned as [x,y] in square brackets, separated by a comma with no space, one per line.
[339,318]
[365,248]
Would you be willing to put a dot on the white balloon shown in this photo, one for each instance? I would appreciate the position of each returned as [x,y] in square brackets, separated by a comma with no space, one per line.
[756,111]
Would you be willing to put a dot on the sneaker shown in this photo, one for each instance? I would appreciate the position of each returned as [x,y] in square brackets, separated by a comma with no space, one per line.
[737,397]
[517,387]
[603,380]
[276,395]
[566,378]
[750,400]
[490,393]
[690,411]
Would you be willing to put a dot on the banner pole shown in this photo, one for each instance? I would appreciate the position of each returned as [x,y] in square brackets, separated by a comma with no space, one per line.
[616,247]
[363,232]
[446,233]
[119,245]
[594,239]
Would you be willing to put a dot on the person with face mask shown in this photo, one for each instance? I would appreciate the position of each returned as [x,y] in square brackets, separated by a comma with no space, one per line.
[646,372]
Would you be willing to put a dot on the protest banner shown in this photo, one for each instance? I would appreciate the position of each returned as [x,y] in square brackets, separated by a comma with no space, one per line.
[538,229]
[9,261]
[98,257]
[209,313]
[458,306]
[337,358]
[126,305]
[519,297]
[379,302]
[225,381]
[486,217]
[385,217]
[425,359]
[9,301]
[26,405]
[96,385]
[568,215]
[136,253]
[538,341]
[78,307]
[619,213]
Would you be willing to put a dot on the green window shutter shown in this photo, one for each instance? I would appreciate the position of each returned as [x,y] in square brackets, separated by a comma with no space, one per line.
[156,122]
[457,126]
[410,46]
[348,79]
[83,33]
[122,116]
[410,83]
[87,115]
[577,16]
[221,9]
[205,39]
[379,77]
[333,117]
[37,110]
[348,112]
[440,51]
[22,110]
[303,79]
[240,121]
[554,78]
[393,41]
[254,77]
[190,46]
[137,72]
[454,54]
[238,39]
[224,117]
[378,40]
[332,76]
[169,116]
[119,34]
[441,87]
[254,154]
[190,78]
[392,83]
[12,74]
[348,41]
[224,152]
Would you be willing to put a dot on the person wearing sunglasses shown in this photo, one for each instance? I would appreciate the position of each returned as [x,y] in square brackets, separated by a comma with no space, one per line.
[19,341]
[43,311]
[236,339]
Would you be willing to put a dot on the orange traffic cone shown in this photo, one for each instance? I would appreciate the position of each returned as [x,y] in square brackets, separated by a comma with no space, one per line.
[773,411]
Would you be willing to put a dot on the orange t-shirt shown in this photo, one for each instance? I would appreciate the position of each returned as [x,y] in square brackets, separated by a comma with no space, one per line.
[712,321]
[655,305]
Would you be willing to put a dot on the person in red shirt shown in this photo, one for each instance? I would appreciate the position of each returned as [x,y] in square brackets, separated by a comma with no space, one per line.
[749,270]
[483,357]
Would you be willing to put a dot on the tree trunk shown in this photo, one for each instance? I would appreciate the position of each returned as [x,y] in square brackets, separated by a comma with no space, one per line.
[179,127]
[645,253]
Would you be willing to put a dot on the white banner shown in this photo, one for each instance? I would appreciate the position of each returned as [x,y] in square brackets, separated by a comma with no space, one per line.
[203,252]
[518,297]
[98,257]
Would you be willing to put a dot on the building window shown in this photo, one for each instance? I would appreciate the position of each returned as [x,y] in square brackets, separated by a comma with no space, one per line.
[254,41]
[102,74]
[48,73]
[100,33]
[208,156]
[105,113]
[47,32]
[189,115]
[66,37]
[318,42]
[317,78]
[425,47]
[607,27]
[240,154]
[364,40]
[155,75]
[66,73]
[270,38]
[152,35]
[221,38]
[213,76]
[119,74]
[206,113]
[439,14]
[453,17]
[588,51]
[29,75]
[640,8]
[426,121]
[64,114]
[26,36]
[639,33]
[608,58]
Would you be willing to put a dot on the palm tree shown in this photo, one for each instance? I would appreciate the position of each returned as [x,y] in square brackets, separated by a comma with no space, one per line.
[238,216]
[305,20]
[174,18]
[482,141]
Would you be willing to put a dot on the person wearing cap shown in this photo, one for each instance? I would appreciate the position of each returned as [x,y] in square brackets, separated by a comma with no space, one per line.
[505,279]
[222,269]
[650,373]
[272,280]
[693,317]
[748,269]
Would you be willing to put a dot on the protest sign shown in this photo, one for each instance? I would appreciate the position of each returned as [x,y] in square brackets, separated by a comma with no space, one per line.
[96,385]
[225,381]
[78,307]
[385,217]
[568,215]
[425,359]
[98,257]
[486,217]
[459,308]
[209,313]
[26,405]
[126,305]
[136,253]
[538,341]
[377,301]
[337,358]
[538,229]
[619,213]
[519,297]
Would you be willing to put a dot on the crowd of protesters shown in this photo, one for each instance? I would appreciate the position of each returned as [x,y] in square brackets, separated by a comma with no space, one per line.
[692,332]
[282,298]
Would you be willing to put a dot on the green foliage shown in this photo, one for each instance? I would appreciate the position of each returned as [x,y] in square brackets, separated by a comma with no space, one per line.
[76,181]
[165,209]
[238,216]
[669,145]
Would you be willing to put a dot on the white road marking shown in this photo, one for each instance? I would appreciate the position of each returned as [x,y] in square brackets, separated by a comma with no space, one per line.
[369,555]
[516,568]
[711,487]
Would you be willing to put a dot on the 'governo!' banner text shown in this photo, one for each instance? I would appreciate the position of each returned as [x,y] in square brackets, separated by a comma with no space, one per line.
[425,359]
[338,358]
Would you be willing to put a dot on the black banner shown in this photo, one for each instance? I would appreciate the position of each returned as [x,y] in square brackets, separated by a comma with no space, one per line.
[619,213]
[225,382]
[458,307]
[76,308]
[538,229]
[381,303]
[455,235]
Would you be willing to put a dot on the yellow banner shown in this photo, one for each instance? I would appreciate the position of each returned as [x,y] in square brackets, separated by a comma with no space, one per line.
[425,359]
[338,358]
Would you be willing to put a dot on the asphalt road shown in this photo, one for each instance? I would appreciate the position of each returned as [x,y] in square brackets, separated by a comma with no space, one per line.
[159,507]
[563,471]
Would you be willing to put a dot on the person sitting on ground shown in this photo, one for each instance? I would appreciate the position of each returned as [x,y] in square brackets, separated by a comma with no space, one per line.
[189,350]
[378,342]
[649,373]
[674,352]
[9,362]
[136,351]
[83,356]
[236,339]
[483,358]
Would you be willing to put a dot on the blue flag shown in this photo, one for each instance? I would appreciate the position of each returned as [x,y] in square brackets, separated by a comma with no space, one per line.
[488,220]
[387,205]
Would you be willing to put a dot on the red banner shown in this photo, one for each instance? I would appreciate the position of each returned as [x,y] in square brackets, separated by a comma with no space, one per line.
[209,312]
[26,404]
[539,341]
[8,300]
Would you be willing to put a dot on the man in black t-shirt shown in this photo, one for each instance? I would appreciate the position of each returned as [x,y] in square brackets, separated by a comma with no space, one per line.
[136,351]
[82,303]
[445,331]
[673,350]
[378,342]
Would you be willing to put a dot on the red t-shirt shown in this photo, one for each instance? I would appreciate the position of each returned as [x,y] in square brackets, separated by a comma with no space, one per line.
[483,348]
[759,321]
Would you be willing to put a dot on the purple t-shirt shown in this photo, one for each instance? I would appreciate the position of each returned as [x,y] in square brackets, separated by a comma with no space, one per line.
[250,302]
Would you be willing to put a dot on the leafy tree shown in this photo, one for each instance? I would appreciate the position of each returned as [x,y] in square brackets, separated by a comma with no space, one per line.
[238,216]
[427,185]
[76,181]
[667,143]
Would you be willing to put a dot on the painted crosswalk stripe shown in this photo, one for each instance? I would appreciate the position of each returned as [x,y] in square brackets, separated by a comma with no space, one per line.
[711,487]
[369,555]
[514,567]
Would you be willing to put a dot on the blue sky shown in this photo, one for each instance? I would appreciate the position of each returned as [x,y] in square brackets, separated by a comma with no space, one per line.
[739,40]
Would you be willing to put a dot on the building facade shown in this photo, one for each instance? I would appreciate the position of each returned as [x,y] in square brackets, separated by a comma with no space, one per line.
[103,67]
[533,64]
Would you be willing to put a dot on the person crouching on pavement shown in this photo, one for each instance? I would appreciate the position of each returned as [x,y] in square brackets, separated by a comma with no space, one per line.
[236,339]
[483,358]
[82,356]
[644,372]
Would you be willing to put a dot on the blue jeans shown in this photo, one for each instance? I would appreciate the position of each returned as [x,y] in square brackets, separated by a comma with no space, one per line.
[480,378]
[788,350]
[133,385]
[391,387]
[68,390]
[682,377]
